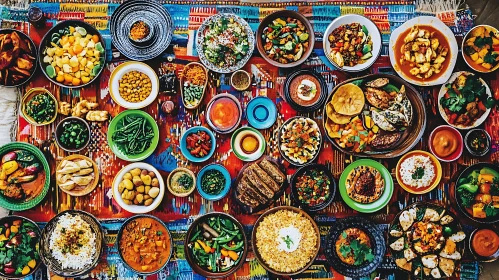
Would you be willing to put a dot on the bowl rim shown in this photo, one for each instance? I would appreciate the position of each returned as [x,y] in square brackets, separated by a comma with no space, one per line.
[438,172]
[130,208]
[256,154]
[273,116]
[295,15]
[209,107]
[465,37]
[332,187]
[226,188]
[56,28]
[245,73]
[295,210]
[325,43]
[67,119]
[487,136]
[120,234]
[183,144]
[39,236]
[29,95]
[181,169]
[290,161]
[196,267]
[34,52]
[459,139]
[479,258]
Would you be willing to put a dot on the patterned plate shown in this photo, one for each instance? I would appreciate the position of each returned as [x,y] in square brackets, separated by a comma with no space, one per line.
[155,16]
[25,205]
[200,38]
[377,246]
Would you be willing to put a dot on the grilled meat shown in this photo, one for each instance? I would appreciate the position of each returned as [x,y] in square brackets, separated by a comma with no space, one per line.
[385,141]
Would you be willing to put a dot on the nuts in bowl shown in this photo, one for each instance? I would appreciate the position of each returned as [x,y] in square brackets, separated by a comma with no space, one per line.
[138,188]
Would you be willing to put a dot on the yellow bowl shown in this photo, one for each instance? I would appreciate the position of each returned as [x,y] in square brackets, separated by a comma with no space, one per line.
[425,189]
[30,94]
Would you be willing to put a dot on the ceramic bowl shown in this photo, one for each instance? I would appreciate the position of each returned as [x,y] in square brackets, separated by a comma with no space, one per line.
[33,54]
[456,135]
[237,146]
[226,187]
[261,112]
[169,182]
[437,167]
[217,108]
[187,153]
[471,135]
[60,128]
[467,58]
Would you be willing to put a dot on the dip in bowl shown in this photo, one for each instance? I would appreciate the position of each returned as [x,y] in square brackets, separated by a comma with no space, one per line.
[305,90]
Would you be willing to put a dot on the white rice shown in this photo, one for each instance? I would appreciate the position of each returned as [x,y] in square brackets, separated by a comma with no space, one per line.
[409,166]
[72,232]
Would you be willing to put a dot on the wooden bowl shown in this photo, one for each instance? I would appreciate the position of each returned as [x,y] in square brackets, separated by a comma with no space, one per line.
[80,191]
[28,96]
[181,169]
[182,80]
[260,258]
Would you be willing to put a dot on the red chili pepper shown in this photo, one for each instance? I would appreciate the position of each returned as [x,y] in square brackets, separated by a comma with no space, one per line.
[339,44]
[359,53]
[270,29]
[196,151]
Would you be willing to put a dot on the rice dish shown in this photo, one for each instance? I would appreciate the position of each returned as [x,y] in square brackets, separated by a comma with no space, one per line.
[72,242]
[417,171]
[286,241]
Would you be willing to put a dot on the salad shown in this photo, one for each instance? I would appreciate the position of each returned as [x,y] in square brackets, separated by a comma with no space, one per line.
[478,193]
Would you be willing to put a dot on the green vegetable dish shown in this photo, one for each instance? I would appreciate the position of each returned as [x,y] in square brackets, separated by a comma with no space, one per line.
[285,40]
[18,247]
[73,134]
[478,193]
[213,182]
[41,108]
[133,135]
[216,244]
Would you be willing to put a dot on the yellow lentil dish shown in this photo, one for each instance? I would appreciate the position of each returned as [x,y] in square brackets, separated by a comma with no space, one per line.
[145,244]
[135,86]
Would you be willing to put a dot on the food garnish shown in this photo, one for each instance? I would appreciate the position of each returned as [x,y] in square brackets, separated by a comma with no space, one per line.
[351,44]
[139,187]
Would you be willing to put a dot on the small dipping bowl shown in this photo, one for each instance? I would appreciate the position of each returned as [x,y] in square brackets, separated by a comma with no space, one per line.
[224,113]
[226,187]
[441,132]
[240,74]
[486,232]
[148,30]
[248,144]
[59,130]
[261,112]
[482,137]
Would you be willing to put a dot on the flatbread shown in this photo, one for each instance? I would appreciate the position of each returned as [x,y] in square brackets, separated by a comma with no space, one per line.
[348,100]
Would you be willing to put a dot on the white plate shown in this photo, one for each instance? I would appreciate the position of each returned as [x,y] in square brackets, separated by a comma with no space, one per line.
[442,92]
[124,68]
[138,209]
[444,29]
[373,32]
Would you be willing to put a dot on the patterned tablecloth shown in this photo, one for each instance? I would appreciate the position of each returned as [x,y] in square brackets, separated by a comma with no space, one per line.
[268,81]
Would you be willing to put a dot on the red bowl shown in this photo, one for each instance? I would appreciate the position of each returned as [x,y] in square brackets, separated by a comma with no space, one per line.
[460,143]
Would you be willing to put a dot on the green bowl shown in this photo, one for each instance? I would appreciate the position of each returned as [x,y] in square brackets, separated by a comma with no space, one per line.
[21,206]
[114,146]
[367,207]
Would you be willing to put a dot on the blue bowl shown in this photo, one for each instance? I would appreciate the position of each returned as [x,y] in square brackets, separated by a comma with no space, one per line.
[187,153]
[261,112]
[226,188]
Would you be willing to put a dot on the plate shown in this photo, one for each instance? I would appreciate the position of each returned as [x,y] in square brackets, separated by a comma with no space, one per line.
[376,205]
[464,44]
[201,35]
[120,71]
[436,24]
[226,188]
[314,135]
[377,246]
[436,165]
[408,137]
[331,187]
[183,144]
[112,128]
[261,112]
[443,91]
[373,32]
[53,264]
[138,209]
[237,139]
[307,77]
[21,206]
[33,57]
[80,191]
[152,14]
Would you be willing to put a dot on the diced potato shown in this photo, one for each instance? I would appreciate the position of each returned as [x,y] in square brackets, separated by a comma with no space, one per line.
[487,65]
[474,56]
[479,60]
[478,211]
[483,52]
[495,198]
[485,198]
[478,32]
[495,41]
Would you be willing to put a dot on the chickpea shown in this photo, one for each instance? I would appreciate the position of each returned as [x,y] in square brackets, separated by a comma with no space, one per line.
[135,86]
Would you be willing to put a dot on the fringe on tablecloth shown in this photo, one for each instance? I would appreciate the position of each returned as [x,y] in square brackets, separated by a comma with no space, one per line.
[9,114]
[437,6]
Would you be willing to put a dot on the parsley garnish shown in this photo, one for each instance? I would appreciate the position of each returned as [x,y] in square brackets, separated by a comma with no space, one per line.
[159,233]
[288,241]
[418,173]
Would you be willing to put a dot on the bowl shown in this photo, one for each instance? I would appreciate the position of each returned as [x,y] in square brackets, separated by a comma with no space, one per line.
[482,136]
[224,113]
[285,130]
[61,128]
[452,134]
[425,189]
[261,112]
[371,27]
[305,90]
[137,209]
[184,147]
[51,37]
[191,232]
[118,121]
[117,75]
[268,20]
[180,171]
[240,74]
[190,98]
[253,140]
[481,231]
[314,230]
[226,187]
[472,64]
[52,263]
[30,55]
[162,226]
[30,95]
[79,190]
[33,235]
[331,187]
